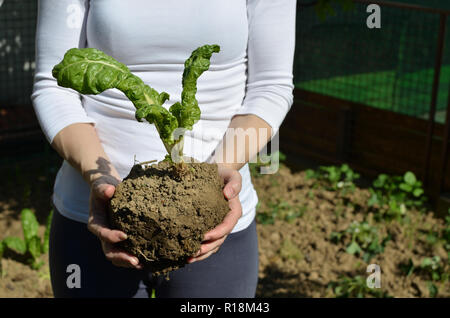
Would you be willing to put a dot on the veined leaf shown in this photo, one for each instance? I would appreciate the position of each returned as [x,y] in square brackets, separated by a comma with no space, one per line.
[45,244]
[29,225]
[90,71]
[16,244]
[187,112]
[409,178]
[34,247]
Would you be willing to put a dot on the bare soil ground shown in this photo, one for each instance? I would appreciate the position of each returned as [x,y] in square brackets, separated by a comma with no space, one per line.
[297,256]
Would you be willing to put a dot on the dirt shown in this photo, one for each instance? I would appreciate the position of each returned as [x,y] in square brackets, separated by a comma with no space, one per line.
[297,257]
[165,210]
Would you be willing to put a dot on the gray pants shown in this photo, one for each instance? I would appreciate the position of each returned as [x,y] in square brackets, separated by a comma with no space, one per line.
[231,272]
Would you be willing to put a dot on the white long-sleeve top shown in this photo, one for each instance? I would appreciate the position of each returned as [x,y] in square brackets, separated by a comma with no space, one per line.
[252,74]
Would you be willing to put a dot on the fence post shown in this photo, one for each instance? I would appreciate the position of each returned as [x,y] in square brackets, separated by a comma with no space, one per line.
[434,96]
[444,153]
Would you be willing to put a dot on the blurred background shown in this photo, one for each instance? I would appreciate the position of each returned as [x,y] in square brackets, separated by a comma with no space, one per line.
[375,99]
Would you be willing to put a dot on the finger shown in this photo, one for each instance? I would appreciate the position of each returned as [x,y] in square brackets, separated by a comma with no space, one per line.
[202,257]
[105,234]
[233,183]
[228,222]
[104,191]
[119,257]
[209,246]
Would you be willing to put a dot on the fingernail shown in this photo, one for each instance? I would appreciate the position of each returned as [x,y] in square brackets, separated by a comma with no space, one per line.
[134,261]
[229,192]
[123,236]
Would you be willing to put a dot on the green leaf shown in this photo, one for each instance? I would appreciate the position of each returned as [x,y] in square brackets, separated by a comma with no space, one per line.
[90,71]
[405,187]
[29,224]
[432,288]
[310,174]
[410,178]
[37,265]
[417,192]
[187,112]
[34,247]
[353,248]
[45,243]
[380,181]
[16,244]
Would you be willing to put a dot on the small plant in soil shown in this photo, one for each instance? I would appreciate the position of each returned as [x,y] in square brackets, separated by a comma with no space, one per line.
[32,246]
[392,195]
[446,235]
[280,210]
[334,178]
[435,268]
[264,161]
[362,239]
[165,208]
[354,287]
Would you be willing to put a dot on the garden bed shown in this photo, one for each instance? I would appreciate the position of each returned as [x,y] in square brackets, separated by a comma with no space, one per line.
[305,233]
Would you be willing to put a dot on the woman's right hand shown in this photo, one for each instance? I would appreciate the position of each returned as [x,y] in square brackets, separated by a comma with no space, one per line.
[102,190]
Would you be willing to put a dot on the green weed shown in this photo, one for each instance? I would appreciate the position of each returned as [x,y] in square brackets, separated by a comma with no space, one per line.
[394,194]
[32,247]
[334,178]
[364,240]
[281,210]
[354,287]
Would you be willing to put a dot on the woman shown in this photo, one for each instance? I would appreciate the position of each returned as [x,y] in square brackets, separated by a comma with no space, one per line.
[248,85]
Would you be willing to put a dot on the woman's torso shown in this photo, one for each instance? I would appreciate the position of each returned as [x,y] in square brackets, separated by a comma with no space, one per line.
[154,38]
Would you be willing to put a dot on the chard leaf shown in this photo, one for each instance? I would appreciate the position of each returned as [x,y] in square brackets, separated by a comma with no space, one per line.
[16,244]
[29,225]
[34,247]
[187,112]
[44,247]
[90,71]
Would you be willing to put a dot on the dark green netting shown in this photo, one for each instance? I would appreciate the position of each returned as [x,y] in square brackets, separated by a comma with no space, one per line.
[390,68]
[17,32]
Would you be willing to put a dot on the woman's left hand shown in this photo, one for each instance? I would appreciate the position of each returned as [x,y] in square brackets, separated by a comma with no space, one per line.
[214,238]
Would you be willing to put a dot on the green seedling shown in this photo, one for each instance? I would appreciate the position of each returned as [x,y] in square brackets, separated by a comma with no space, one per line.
[354,287]
[334,178]
[32,246]
[364,240]
[395,194]
[433,289]
[91,71]
[281,211]
[433,266]
[264,161]
[446,234]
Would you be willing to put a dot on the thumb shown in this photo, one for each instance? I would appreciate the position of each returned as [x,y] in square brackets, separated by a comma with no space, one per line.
[232,189]
[104,187]
[104,191]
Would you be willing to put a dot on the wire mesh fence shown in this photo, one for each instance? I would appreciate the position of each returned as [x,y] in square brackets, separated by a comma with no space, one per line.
[17,33]
[391,68]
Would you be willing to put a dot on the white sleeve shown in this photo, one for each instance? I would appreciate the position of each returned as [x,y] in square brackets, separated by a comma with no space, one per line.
[60,26]
[270,51]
